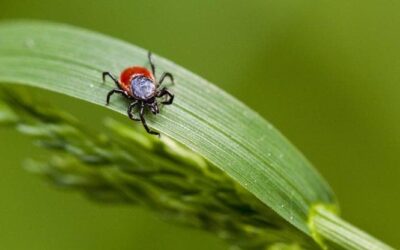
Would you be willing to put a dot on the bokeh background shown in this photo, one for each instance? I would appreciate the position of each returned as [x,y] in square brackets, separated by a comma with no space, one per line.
[326,73]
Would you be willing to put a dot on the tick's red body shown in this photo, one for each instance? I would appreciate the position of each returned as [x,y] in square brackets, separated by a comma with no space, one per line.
[125,79]
[140,85]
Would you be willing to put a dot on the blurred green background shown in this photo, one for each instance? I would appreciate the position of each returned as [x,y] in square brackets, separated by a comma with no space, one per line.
[326,73]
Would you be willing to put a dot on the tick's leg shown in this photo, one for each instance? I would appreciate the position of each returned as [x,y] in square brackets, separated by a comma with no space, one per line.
[153,68]
[130,109]
[165,75]
[164,92]
[116,91]
[112,78]
[144,121]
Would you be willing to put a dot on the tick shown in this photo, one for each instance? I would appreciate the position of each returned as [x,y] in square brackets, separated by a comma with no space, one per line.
[139,85]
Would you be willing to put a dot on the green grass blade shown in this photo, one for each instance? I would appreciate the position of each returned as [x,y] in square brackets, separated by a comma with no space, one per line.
[204,118]
[340,234]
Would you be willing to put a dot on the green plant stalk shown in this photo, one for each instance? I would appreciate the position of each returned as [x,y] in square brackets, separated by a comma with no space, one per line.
[126,166]
[220,129]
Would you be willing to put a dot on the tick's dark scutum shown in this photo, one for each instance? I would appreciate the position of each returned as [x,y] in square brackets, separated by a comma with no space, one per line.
[143,87]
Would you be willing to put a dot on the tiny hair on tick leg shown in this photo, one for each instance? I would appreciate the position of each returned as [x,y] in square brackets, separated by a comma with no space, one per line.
[140,86]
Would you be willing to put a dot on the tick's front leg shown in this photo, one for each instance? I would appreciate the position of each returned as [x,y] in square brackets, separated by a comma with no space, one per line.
[130,109]
[165,75]
[144,122]
[164,92]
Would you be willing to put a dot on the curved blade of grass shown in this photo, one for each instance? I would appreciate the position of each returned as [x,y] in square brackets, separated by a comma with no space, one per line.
[224,131]
[204,118]
[341,235]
